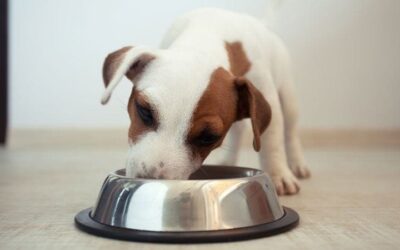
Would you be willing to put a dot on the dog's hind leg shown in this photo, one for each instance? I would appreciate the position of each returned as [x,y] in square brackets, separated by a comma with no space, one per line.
[282,75]
[289,106]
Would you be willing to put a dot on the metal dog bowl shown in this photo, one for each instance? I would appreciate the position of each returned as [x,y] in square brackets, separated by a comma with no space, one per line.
[217,203]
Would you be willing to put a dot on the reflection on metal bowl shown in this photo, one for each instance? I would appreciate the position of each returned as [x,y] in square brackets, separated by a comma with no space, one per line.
[217,203]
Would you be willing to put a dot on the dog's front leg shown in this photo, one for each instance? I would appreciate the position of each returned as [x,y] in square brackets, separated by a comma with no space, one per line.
[272,153]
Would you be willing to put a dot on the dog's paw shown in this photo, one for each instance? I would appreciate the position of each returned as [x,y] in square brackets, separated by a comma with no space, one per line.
[300,171]
[286,183]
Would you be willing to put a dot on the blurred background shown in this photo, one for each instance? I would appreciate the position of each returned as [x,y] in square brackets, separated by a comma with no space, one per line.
[346,56]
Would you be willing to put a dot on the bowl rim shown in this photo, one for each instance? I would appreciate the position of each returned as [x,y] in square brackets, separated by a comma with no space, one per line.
[258,173]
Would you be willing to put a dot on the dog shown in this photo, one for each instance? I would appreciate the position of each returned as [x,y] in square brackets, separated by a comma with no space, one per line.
[214,68]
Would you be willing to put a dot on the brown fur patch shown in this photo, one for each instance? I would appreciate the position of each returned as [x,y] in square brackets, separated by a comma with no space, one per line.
[137,127]
[217,108]
[239,63]
[113,60]
[216,111]
[229,97]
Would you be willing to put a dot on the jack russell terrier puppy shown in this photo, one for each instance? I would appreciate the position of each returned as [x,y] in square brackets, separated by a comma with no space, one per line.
[214,69]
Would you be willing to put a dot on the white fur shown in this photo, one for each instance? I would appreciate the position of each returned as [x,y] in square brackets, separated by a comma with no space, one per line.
[175,81]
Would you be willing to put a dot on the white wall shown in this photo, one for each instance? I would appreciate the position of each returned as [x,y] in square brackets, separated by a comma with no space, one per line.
[346,55]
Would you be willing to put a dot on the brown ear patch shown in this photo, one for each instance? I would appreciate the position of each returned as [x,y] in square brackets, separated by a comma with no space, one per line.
[238,61]
[113,61]
[252,104]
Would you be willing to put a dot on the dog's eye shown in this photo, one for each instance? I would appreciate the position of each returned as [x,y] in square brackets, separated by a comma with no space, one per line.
[145,114]
[206,138]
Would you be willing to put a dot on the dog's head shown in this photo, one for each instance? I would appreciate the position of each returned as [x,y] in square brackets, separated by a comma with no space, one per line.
[181,108]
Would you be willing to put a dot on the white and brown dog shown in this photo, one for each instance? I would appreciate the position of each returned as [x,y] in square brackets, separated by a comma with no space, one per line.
[214,68]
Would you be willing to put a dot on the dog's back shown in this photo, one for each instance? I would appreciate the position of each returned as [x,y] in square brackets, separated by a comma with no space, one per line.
[263,47]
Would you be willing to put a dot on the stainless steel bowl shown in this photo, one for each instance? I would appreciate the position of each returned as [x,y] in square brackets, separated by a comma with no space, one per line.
[216,203]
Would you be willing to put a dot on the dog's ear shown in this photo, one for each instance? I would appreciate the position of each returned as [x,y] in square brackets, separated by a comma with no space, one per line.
[252,104]
[129,61]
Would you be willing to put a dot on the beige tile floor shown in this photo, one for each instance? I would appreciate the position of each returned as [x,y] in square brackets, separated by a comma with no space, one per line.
[352,200]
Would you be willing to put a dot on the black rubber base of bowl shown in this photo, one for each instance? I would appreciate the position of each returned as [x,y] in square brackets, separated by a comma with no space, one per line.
[85,222]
